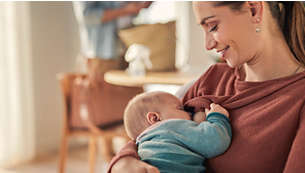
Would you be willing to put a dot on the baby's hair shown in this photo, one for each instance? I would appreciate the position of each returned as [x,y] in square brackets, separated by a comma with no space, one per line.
[136,110]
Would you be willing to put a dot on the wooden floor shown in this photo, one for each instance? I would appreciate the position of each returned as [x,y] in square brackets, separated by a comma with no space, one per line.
[76,163]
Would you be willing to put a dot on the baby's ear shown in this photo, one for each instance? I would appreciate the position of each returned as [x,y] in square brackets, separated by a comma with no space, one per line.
[152,117]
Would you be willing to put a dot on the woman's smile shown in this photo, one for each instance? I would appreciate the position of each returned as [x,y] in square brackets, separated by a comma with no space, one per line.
[223,52]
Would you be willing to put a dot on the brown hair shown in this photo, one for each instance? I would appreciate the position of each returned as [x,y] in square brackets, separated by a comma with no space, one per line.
[290,17]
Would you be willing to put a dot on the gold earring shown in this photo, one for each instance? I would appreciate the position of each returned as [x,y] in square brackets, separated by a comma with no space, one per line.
[258,30]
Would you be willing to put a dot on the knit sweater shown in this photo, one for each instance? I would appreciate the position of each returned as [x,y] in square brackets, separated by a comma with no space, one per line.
[267,119]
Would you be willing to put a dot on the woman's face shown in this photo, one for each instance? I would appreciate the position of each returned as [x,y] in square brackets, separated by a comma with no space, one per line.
[231,33]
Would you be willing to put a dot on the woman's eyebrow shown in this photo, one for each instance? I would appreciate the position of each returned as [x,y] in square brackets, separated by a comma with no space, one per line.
[203,21]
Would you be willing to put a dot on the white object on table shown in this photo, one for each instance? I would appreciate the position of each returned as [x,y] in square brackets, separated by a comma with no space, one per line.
[138,57]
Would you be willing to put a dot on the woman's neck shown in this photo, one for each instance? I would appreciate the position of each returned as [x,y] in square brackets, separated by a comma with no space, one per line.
[275,61]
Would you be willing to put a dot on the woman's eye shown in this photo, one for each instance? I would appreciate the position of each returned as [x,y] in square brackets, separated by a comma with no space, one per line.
[214,28]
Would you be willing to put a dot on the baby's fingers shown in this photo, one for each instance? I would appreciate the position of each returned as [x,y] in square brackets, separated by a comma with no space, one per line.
[217,108]
[207,111]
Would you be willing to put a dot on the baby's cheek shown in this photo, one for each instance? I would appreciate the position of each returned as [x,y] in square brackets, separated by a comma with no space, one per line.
[199,117]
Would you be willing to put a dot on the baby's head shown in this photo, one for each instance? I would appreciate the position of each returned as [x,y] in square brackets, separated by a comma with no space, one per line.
[148,108]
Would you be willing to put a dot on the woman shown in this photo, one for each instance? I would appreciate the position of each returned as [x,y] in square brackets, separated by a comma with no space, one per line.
[262,85]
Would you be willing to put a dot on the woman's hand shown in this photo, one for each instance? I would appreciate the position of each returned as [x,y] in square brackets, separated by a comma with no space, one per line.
[133,165]
[135,7]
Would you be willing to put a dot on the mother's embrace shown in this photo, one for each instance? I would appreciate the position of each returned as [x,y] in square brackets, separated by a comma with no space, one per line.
[262,86]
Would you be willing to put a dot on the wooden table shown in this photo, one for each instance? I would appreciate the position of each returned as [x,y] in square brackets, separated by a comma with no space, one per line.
[122,78]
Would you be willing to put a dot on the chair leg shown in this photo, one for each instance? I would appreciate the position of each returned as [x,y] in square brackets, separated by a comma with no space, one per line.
[63,153]
[107,149]
[92,153]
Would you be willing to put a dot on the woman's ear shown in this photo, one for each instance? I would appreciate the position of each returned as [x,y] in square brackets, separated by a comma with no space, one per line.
[256,9]
[153,117]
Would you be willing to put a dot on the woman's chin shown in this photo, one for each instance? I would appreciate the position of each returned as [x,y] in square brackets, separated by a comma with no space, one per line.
[230,64]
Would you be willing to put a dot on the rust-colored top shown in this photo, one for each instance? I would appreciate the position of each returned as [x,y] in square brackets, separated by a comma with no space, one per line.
[268,120]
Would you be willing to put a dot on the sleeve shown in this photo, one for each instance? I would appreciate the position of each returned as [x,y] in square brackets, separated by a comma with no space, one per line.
[92,14]
[130,149]
[296,157]
[209,138]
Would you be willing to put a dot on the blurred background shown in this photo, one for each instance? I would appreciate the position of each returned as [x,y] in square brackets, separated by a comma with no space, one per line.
[41,39]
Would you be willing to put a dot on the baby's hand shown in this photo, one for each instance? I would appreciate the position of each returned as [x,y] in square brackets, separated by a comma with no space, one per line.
[217,108]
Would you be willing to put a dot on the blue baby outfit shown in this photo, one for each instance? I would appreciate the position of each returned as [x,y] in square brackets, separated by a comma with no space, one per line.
[181,146]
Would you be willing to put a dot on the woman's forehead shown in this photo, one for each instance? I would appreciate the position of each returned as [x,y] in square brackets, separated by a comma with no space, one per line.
[208,10]
[203,3]
[203,10]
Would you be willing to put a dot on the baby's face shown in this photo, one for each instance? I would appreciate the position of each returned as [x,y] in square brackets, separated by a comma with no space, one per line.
[173,109]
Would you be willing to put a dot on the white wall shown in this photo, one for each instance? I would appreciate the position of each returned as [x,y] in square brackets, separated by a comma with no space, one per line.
[54,48]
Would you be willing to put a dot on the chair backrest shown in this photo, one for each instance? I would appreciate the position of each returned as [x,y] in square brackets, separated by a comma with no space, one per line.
[66,81]
[104,104]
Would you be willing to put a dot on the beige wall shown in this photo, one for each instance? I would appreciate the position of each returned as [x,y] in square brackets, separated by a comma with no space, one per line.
[54,48]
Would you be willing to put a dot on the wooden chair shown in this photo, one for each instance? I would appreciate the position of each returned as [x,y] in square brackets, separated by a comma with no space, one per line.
[92,132]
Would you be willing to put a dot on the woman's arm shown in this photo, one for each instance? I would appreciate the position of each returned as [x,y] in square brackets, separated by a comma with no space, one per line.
[94,15]
[127,160]
[209,138]
[132,165]
[129,9]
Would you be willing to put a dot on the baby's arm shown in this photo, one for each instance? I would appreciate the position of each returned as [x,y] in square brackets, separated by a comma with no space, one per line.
[217,108]
[211,137]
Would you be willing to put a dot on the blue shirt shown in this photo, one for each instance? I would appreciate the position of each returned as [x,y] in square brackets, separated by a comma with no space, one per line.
[98,39]
[180,146]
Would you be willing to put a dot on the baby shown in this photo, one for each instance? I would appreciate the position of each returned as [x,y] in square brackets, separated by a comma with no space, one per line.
[168,139]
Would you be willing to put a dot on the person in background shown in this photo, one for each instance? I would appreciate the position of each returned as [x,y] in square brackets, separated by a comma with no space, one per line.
[261,85]
[99,22]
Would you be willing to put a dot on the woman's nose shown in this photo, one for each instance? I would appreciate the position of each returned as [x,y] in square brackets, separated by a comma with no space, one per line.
[210,43]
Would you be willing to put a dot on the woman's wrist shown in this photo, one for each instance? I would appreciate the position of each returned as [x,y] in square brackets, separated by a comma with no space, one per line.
[122,163]
[128,151]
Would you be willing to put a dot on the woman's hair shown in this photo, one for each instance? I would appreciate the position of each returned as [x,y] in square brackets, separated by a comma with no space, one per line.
[290,18]
[135,112]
